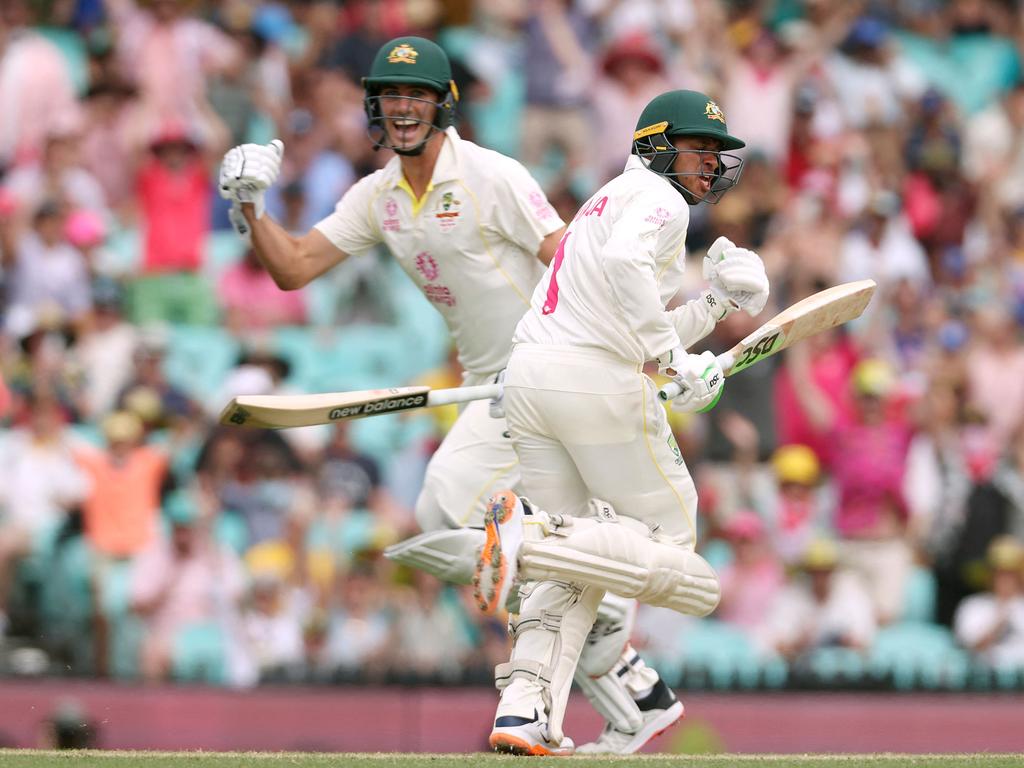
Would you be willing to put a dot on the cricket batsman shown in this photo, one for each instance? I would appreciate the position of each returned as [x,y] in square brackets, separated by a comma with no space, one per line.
[594,445]
[474,231]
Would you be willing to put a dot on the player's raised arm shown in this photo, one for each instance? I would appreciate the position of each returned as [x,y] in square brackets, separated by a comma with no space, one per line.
[246,173]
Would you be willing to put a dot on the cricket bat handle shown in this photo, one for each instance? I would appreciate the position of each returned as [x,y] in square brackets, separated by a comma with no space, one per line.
[463,394]
[672,390]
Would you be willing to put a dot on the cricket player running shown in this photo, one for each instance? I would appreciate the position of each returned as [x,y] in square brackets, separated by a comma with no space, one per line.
[474,231]
[593,441]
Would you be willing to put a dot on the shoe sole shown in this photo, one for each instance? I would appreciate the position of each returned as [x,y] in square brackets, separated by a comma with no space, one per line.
[491,568]
[656,727]
[645,735]
[508,744]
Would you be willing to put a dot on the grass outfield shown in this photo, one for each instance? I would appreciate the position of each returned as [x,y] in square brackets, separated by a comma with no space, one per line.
[23,758]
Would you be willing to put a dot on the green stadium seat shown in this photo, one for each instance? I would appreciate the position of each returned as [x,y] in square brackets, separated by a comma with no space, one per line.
[199,359]
[222,249]
[919,601]
[723,652]
[199,655]
[918,654]
[835,665]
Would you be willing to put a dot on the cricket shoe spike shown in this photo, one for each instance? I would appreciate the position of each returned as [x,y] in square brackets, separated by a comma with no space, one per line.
[522,736]
[660,710]
[496,564]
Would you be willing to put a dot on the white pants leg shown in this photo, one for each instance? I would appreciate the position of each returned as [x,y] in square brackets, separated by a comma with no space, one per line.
[475,459]
[587,424]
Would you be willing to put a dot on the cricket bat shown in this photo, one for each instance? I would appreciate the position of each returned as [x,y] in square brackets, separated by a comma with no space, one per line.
[814,314]
[281,411]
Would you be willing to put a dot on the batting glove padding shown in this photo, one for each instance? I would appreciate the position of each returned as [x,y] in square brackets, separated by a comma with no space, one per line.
[248,170]
[736,276]
[699,376]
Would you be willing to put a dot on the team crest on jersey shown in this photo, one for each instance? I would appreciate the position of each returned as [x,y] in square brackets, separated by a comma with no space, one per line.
[448,211]
[427,267]
[402,54]
[714,112]
[390,223]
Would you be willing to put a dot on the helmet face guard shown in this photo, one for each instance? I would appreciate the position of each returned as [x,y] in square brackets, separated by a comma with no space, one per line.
[376,127]
[661,154]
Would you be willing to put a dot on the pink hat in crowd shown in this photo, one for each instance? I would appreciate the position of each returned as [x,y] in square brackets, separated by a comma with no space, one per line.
[85,229]
[745,525]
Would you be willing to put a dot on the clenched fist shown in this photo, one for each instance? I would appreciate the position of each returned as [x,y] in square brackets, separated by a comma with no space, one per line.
[246,173]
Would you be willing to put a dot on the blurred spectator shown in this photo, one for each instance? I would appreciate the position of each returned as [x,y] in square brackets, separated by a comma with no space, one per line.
[558,72]
[883,248]
[148,392]
[313,167]
[431,639]
[35,85]
[122,509]
[169,55]
[754,578]
[822,608]
[47,274]
[251,301]
[185,585]
[40,483]
[632,73]
[276,610]
[106,351]
[991,624]
[58,175]
[175,198]
[800,508]
[995,372]
[359,636]
[111,140]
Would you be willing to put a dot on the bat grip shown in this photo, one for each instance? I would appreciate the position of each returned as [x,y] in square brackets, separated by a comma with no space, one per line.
[463,394]
[672,390]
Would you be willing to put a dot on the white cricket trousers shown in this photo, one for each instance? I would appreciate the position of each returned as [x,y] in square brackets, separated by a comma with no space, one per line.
[475,459]
[586,423]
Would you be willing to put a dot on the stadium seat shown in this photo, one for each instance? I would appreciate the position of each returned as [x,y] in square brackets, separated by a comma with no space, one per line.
[722,653]
[199,654]
[914,654]
[223,248]
[919,601]
[199,358]
[833,666]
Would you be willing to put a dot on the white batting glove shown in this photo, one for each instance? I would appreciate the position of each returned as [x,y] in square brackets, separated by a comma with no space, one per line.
[737,277]
[246,173]
[699,376]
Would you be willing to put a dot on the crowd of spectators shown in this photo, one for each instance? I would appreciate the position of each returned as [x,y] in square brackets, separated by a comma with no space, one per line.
[866,486]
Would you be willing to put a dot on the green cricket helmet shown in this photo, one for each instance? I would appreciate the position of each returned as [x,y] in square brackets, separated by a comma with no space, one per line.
[409,61]
[686,113]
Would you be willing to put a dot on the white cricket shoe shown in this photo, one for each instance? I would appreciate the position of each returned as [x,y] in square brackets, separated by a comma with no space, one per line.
[496,563]
[660,710]
[520,736]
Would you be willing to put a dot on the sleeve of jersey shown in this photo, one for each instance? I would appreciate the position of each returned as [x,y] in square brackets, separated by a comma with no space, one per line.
[693,321]
[629,265]
[352,227]
[522,213]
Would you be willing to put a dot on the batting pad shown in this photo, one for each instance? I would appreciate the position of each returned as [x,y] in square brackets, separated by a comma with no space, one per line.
[449,554]
[615,557]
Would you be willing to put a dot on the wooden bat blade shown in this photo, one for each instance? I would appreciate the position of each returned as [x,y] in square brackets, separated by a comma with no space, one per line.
[814,314]
[281,411]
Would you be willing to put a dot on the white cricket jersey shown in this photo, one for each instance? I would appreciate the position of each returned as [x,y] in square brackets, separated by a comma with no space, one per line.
[619,263]
[470,243]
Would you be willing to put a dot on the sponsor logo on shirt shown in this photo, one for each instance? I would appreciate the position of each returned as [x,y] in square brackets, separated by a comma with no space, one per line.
[439,294]
[660,217]
[541,207]
[427,267]
[391,223]
[448,211]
